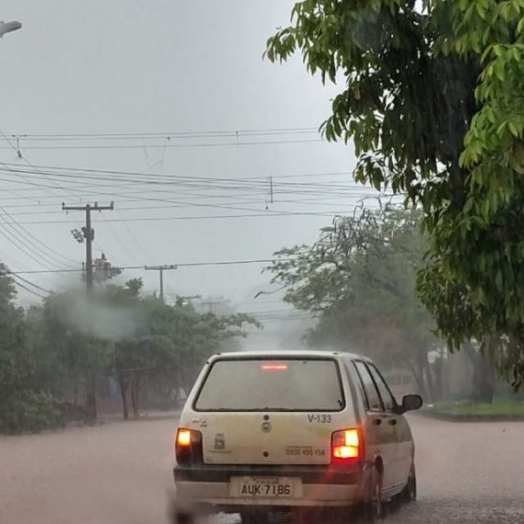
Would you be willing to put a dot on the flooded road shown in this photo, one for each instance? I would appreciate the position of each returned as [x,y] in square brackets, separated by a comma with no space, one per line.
[467,473]
[120,473]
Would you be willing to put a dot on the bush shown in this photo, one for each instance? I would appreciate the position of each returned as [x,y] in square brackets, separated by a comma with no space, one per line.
[28,410]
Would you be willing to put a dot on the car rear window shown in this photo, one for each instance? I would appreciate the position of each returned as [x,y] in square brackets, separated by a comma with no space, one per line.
[272,385]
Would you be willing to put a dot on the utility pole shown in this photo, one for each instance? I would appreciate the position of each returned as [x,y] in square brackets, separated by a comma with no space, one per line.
[88,234]
[161,270]
[211,303]
[8,27]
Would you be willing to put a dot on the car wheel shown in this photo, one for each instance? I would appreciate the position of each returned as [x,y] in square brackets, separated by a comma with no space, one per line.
[409,493]
[182,517]
[253,517]
[372,509]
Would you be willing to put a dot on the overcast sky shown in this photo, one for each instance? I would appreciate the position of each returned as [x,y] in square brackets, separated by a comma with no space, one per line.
[153,71]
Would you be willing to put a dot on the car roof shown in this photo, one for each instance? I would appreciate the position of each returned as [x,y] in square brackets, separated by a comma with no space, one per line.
[279,353]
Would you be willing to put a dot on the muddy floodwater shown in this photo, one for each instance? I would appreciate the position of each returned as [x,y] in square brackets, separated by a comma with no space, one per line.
[120,473]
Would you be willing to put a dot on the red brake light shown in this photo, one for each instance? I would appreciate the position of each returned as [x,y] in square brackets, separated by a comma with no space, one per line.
[183,437]
[346,445]
[274,367]
[188,446]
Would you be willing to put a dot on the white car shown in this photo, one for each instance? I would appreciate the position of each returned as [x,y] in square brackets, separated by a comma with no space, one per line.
[302,430]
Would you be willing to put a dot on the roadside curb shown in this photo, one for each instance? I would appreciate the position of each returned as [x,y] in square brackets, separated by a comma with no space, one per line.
[450,417]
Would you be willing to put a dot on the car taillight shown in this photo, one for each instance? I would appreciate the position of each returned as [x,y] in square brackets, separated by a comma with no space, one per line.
[188,446]
[346,446]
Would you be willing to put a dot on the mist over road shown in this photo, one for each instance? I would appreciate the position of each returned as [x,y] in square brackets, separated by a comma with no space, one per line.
[120,473]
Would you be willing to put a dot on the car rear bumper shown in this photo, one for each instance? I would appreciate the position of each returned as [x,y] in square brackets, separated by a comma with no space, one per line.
[318,486]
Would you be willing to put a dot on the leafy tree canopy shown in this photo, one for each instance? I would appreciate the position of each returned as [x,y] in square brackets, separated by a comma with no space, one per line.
[433,101]
[359,278]
[47,352]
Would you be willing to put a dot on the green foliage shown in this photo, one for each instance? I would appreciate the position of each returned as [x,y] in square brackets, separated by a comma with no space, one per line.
[359,279]
[28,410]
[23,406]
[433,102]
[47,353]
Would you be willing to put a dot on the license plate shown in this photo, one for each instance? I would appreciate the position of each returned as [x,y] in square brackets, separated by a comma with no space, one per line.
[262,487]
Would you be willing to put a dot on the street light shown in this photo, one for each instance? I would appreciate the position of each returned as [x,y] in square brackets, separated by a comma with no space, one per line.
[8,27]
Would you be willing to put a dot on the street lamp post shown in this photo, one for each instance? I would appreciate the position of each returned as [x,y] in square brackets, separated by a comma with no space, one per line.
[9,27]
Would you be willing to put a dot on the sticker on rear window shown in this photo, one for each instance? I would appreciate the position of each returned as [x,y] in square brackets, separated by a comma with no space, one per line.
[319,419]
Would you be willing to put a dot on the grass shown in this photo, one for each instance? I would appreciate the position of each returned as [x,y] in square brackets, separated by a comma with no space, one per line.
[496,408]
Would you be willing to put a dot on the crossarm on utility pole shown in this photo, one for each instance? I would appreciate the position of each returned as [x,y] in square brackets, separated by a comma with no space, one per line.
[161,270]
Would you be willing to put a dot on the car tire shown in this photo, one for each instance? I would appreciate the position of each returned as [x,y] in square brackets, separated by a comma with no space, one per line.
[182,517]
[253,517]
[409,493]
[372,509]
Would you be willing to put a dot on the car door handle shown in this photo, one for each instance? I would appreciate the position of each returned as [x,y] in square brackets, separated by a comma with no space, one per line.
[393,422]
[377,421]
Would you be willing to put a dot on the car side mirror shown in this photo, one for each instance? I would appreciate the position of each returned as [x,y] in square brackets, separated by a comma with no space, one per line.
[411,403]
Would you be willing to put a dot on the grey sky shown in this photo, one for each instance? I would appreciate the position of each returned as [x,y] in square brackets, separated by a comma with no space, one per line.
[160,66]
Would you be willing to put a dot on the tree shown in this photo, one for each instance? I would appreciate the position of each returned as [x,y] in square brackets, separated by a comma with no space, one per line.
[433,104]
[47,352]
[170,343]
[24,404]
[359,278]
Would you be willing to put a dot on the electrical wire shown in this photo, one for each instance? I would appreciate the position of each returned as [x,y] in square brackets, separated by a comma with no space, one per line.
[268,214]
[173,146]
[172,134]
[191,181]
[168,139]
[32,284]
[25,232]
[183,264]
[29,290]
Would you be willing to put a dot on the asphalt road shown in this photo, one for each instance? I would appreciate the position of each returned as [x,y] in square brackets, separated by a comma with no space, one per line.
[120,474]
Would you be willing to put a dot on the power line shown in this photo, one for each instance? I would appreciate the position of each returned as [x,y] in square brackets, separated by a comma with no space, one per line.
[186,264]
[19,284]
[21,243]
[32,284]
[280,188]
[181,203]
[194,204]
[174,146]
[26,238]
[132,235]
[228,262]
[269,214]
[138,173]
[190,180]
[244,186]
[117,237]
[162,134]
[25,231]
[150,140]
[181,206]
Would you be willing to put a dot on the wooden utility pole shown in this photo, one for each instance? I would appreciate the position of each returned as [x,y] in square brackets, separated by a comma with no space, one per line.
[211,303]
[89,236]
[161,270]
